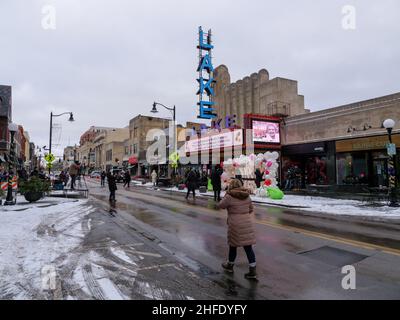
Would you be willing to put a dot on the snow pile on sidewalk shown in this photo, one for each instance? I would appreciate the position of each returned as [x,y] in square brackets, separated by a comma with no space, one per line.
[333,206]
[139,183]
[32,237]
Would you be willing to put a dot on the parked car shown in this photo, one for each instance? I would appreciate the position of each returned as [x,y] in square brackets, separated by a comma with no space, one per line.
[95,174]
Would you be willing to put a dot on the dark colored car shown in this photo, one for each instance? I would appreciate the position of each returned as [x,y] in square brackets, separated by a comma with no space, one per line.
[119,175]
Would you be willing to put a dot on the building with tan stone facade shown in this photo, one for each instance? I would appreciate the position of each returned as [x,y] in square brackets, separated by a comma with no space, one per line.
[137,144]
[256,94]
[102,147]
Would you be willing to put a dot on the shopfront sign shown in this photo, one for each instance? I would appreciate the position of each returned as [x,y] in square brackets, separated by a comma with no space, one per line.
[206,76]
[133,160]
[370,143]
[222,140]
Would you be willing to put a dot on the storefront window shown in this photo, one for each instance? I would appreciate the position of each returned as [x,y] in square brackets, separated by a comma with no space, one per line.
[315,171]
[352,168]
[298,173]
[380,168]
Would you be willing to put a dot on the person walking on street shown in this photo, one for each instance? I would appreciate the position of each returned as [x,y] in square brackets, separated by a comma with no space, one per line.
[191,183]
[154,178]
[103,178]
[73,172]
[62,177]
[240,226]
[127,179]
[112,185]
[216,182]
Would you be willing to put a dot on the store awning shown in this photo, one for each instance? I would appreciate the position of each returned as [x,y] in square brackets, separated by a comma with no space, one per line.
[133,160]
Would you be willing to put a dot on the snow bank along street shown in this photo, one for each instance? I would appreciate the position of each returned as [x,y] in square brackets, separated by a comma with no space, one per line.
[323,205]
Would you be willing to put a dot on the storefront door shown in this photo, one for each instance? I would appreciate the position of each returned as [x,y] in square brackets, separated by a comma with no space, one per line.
[380,172]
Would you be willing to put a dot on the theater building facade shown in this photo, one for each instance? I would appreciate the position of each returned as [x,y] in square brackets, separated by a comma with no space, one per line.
[342,146]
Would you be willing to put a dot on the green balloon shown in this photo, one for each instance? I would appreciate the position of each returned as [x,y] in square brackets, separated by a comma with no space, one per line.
[210,186]
[275,193]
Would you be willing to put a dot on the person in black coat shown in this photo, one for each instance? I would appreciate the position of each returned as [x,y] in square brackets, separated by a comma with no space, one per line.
[127,179]
[216,182]
[103,178]
[259,178]
[112,186]
[191,183]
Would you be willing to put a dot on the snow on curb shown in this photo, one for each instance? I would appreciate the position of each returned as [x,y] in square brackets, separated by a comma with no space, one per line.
[321,205]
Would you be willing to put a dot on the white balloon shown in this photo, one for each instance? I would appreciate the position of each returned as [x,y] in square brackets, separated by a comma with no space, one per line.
[275,155]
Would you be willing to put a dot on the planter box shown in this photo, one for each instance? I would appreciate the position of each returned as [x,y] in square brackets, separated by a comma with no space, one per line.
[33,196]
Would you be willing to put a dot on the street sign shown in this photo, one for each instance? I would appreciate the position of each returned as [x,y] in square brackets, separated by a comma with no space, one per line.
[391,149]
[49,158]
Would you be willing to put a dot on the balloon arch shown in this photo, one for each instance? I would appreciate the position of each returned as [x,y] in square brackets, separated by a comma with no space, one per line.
[245,166]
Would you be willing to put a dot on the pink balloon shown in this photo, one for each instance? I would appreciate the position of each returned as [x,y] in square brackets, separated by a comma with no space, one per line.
[269,164]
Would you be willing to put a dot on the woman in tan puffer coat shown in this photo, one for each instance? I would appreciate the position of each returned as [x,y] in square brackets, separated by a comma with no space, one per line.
[240,225]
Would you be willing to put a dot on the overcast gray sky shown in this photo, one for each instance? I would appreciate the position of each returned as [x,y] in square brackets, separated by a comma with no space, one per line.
[107,61]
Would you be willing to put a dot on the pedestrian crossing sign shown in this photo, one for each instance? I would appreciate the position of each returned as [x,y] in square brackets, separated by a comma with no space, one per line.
[49,157]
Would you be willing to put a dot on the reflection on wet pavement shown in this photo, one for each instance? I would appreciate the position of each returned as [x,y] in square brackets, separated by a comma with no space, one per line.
[201,228]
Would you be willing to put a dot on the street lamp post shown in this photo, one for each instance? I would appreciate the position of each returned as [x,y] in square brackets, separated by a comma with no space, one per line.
[173,110]
[71,119]
[12,127]
[389,125]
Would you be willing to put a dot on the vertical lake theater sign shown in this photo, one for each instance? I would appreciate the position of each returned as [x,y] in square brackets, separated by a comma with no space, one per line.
[206,78]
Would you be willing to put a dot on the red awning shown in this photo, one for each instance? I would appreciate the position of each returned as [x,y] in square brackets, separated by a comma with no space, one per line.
[133,160]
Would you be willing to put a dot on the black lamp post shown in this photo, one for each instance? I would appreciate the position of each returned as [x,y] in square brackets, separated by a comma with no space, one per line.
[13,128]
[173,110]
[71,119]
[389,125]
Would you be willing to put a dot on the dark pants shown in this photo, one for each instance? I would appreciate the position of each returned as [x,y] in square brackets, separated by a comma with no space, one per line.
[217,195]
[127,183]
[103,182]
[249,252]
[191,190]
[112,195]
[73,179]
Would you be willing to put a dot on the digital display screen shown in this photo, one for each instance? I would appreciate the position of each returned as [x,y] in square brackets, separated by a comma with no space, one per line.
[266,132]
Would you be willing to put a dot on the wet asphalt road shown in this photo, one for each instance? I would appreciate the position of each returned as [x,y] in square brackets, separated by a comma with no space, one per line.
[299,255]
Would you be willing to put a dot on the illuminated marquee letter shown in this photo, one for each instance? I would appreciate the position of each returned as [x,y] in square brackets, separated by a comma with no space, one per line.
[202,45]
[205,85]
[205,111]
[205,64]
[216,124]
[230,121]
